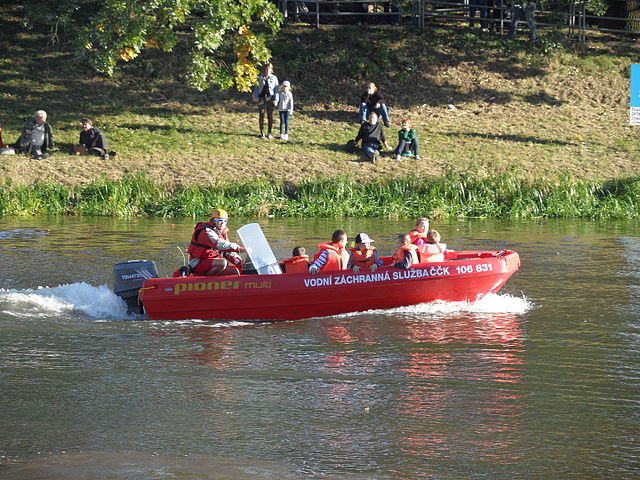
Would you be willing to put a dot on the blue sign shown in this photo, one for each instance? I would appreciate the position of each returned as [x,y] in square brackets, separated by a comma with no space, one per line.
[635,85]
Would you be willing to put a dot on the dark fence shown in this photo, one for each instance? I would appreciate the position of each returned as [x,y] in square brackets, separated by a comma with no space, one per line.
[574,18]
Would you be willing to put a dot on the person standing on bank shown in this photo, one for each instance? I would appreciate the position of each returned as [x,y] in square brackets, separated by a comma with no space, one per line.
[266,94]
[285,109]
[37,137]
[523,9]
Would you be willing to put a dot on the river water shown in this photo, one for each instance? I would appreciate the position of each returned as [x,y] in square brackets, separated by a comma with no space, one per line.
[540,381]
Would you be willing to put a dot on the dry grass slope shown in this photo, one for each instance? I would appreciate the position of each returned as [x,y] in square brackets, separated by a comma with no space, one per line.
[551,110]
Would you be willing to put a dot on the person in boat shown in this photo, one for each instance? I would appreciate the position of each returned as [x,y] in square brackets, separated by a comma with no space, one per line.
[363,255]
[331,255]
[432,250]
[210,251]
[419,233]
[298,263]
[406,253]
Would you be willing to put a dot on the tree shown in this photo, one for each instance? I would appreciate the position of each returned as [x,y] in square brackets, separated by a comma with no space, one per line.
[220,37]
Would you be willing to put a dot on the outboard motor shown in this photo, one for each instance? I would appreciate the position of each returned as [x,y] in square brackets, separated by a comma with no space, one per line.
[128,278]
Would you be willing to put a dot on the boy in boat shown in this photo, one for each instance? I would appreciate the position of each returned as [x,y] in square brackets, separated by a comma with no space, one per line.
[298,263]
[432,250]
[406,253]
[210,251]
[332,255]
[419,233]
[364,255]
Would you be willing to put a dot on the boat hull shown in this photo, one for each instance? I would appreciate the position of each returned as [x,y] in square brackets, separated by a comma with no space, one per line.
[467,277]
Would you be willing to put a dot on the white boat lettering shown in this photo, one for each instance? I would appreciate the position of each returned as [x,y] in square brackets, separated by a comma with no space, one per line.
[438,271]
[318,282]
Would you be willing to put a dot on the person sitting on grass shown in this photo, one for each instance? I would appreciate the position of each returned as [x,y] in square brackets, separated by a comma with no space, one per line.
[37,137]
[373,138]
[364,255]
[298,263]
[407,141]
[406,253]
[332,255]
[92,141]
[372,101]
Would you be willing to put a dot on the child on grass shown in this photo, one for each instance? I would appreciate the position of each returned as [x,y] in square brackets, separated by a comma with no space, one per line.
[407,140]
[285,109]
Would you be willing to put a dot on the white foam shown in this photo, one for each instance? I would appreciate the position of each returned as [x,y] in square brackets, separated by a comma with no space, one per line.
[491,303]
[95,302]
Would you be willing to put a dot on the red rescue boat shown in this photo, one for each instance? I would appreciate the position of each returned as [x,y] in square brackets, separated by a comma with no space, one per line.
[464,276]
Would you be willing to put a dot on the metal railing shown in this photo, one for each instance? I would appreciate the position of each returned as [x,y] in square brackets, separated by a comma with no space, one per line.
[574,19]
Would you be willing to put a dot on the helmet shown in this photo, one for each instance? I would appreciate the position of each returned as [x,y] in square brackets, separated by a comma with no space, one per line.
[219,213]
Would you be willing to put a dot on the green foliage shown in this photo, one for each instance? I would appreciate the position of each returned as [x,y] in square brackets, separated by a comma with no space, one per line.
[220,47]
[502,196]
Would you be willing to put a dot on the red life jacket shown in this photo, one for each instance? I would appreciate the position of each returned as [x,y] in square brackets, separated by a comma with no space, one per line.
[432,252]
[363,260]
[399,255]
[414,234]
[336,259]
[201,245]
[297,264]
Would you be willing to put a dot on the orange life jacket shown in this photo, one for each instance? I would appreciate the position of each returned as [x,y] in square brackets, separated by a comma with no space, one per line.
[201,245]
[402,249]
[297,264]
[414,234]
[432,252]
[364,260]
[336,260]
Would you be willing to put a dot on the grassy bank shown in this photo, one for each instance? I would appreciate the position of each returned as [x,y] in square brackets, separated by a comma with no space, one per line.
[551,110]
[501,196]
[486,110]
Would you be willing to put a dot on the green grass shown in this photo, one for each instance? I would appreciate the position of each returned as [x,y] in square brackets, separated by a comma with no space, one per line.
[503,196]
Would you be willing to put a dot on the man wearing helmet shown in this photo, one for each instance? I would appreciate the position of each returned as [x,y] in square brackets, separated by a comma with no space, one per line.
[210,251]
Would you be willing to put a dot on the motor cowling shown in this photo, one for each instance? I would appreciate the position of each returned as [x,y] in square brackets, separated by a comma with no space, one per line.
[128,278]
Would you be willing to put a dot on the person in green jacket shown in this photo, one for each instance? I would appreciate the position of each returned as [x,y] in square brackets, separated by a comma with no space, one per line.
[407,140]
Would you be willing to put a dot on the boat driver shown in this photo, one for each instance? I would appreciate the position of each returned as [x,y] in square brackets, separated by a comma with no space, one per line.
[210,251]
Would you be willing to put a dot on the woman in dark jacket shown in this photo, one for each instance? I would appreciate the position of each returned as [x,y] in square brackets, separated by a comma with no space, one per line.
[93,139]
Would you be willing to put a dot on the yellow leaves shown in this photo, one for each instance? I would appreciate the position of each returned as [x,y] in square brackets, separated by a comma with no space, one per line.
[127,53]
[151,43]
[245,71]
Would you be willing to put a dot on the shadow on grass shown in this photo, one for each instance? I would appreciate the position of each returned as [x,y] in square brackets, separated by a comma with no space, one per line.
[156,128]
[511,138]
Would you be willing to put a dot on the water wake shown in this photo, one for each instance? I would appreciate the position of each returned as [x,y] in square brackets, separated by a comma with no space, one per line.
[94,302]
[492,303]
